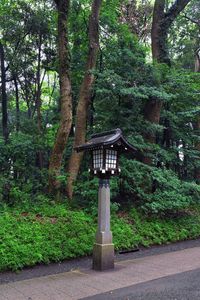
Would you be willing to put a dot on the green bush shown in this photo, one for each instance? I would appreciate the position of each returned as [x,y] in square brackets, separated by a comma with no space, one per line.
[21,178]
[157,191]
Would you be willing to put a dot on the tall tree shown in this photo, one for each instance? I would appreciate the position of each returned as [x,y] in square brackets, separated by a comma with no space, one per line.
[38,96]
[84,95]
[17,102]
[162,21]
[196,124]
[65,95]
[4,94]
[161,24]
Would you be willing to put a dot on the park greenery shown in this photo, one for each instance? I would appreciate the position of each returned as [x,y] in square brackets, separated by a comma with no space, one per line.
[73,68]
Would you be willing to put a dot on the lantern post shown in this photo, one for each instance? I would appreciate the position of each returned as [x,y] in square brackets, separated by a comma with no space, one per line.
[105,148]
[103,251]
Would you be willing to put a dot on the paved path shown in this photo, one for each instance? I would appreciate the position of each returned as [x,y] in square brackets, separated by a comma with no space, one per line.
[79,284]
[183,286]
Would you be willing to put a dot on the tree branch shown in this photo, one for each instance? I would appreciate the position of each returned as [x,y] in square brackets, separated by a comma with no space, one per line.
[191,20]
[175,10]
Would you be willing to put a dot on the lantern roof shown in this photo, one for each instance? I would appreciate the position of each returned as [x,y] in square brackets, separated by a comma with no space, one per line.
[113,138]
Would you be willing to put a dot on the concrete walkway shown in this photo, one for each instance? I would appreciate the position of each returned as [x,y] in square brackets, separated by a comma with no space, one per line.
[78,284]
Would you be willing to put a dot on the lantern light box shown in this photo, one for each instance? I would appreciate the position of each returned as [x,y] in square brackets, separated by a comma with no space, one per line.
[105,148]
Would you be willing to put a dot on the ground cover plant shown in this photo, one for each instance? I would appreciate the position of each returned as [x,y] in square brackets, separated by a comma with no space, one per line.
[53,233]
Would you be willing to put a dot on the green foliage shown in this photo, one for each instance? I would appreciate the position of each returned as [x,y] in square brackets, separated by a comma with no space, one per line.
[21,179]
[44,235]
[157,191]
[159,231]
[47,232]
[171,194]
[125,81]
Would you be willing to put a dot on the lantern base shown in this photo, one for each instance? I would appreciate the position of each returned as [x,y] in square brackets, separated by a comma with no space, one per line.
[103,257]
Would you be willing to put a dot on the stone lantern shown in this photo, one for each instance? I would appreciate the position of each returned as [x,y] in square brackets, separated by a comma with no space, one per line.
[105,149]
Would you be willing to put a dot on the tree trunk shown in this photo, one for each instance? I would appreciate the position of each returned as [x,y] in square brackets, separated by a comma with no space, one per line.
[84,96]
[161,24]
[159,33]
[17,103]
[151,114]
[38,99]
[38,87]
[197,60]
[4,95]
[197,147]
[65,95]
[197,123]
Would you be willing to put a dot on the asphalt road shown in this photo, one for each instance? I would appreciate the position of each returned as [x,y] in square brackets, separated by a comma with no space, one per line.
[183,286]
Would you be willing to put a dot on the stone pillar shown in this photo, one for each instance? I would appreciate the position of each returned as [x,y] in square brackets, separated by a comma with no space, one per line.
[103,251]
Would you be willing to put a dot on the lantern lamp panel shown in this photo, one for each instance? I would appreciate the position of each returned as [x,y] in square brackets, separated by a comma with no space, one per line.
[111,159]
[98,159]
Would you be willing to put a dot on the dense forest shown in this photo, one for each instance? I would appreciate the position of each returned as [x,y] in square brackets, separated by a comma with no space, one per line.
[73,68]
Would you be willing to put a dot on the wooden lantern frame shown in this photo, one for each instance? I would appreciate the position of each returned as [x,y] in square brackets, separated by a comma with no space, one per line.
[110,140]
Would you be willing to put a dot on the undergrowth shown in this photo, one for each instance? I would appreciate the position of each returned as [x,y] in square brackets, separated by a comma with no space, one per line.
[53,232]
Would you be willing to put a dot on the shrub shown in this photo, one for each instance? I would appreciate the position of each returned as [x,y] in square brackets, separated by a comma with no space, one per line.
[157,191]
